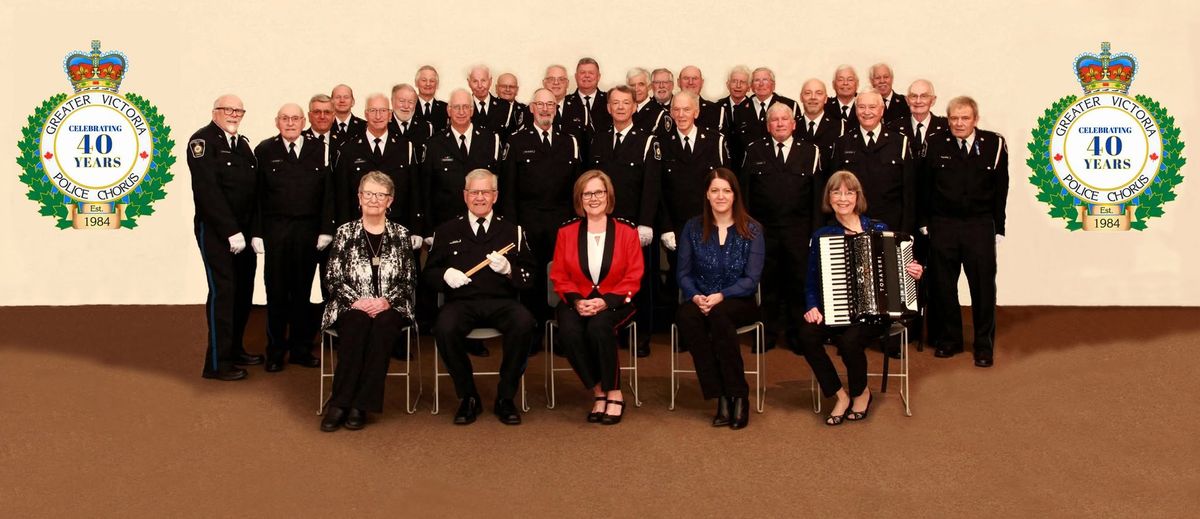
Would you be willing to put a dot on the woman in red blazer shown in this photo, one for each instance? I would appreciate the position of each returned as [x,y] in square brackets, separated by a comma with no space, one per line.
[597,270]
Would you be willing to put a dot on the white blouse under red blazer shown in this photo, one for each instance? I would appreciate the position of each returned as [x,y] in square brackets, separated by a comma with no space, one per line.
[620,271]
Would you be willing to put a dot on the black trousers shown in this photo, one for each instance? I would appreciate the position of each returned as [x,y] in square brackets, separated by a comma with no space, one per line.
[591,344]
[364,348]
[851,342]
[783,279]
[289,264]
[457,318]
[969,244]
[712,339]
[230,292]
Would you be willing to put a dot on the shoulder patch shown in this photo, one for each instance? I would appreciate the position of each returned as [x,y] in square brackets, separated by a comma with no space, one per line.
[667,122]
[657,151]
[197,148]
[504,153]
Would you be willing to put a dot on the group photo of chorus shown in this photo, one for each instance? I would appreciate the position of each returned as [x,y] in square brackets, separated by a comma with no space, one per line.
[592,211]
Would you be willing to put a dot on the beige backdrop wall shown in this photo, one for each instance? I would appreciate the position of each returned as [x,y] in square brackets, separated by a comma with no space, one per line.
[1015,58]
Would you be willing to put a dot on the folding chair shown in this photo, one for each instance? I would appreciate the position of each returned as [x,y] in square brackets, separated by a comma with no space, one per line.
[328,367]
[475,334]
[897,328]
[760,362]
[552,324]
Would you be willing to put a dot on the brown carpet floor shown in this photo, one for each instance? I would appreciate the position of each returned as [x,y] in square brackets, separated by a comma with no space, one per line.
[1088,412]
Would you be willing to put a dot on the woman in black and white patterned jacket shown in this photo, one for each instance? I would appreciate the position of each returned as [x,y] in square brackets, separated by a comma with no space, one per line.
[370,278]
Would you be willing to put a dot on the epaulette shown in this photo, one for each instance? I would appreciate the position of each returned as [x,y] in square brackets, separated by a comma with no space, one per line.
[624,221]
[570,221]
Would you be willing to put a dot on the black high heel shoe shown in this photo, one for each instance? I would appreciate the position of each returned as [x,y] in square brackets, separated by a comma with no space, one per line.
[855,416]
[740,413]
[594,416]
[721,419]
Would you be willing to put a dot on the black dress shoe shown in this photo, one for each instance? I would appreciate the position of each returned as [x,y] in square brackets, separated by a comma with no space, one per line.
[643,350]
[506,411]
[246,359]
[983,361]
[476,348]
[356,419]
[945,353]
[468,409]
[274,365]
[334,418]
[227,374]
[306,360]
[722,417]
[740,412]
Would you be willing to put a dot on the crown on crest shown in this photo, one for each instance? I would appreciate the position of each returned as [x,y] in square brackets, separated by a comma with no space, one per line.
[1107,72]
[96,70]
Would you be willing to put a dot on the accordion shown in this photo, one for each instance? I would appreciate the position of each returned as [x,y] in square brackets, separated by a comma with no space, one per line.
[863,277]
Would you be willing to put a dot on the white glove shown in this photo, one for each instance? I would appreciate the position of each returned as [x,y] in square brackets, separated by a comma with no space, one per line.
[237,243]
[429,241]
[323,241]
[257,245]
[999,238]
[645,234]
[668,240]
[499,263]
[924,230]
[416,241]
[455,278]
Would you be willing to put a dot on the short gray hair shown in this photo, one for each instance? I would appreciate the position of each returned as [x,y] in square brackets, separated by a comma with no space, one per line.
[480,174]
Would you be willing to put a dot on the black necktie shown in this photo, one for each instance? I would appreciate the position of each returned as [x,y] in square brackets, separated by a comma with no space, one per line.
[233,143]
[618,143]
[812,129]
[427,109]
[482,108]
[557,113]
[342,127]
[404,128]
[479,227]
[687,145]
[587,101]
[378,148]
[963,148]
[920,133]
[292,151]
[870,139]
[782,160]
[462,144]
[845,112]
[322,139]
[545,138]
[762,114]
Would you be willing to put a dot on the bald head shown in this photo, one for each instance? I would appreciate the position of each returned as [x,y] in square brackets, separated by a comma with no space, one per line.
[343,101]
[813,97]
[506,87]
[691,79]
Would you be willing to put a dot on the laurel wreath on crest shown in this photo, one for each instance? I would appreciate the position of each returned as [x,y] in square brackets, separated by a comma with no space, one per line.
[1062,203]
[54,203]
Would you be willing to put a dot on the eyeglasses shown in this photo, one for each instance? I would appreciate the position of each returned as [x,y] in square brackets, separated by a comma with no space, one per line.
[556,79]
[843,194]
[920,97]
[290,118]
[588,195]
[378,111]
[371,195]
[475,193]
[461,108]
[229,110]
[662,82]
[325,113]
[539,104]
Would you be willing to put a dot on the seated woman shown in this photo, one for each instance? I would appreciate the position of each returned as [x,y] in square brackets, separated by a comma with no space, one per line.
[843,197]
[370,281]
[721,255]
[597,270]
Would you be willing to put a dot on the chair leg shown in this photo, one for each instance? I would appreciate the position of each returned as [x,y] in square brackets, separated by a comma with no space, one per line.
[436,377]
[633,341]
[760,365]
[674,361]
[886,346]
[551,397]
[524,396]
[904,389]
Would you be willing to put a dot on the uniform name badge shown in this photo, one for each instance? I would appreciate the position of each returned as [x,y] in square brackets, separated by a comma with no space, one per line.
[1106,161]
[96,159]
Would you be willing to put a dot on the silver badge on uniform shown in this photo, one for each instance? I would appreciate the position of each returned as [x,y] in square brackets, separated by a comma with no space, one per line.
[197,147]
[657,152]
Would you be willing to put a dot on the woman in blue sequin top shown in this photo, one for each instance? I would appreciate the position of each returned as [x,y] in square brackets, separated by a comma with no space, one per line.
[721,254]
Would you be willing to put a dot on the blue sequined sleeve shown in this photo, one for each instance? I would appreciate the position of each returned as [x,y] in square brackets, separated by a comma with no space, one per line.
[747,284]
[685,263]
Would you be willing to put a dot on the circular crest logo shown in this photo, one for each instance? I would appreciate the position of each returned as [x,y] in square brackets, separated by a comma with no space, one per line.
[96,159]
[1106,161]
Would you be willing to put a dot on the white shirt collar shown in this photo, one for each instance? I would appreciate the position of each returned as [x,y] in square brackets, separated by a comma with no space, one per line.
[644,103]
[878,130]
[487,221]
[817,120]
[338,122]
[970,141]
[758,105]
[382,140]
[467,133]
[690,135]
[299,143]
